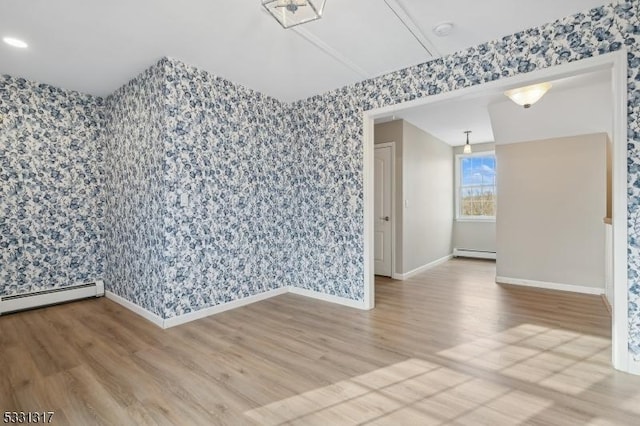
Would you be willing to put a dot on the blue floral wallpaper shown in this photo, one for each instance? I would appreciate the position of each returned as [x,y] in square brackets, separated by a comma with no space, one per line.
[51,187]
[177,131]
[329,207]
[136,190]
[229,149]
[274,193]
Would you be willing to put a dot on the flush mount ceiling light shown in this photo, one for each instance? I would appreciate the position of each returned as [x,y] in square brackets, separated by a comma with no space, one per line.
[443,29]
[528,95]
[467,147]
[290,13]
[15,42]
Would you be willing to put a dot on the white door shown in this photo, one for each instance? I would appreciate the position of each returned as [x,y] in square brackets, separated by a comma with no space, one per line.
[382,210]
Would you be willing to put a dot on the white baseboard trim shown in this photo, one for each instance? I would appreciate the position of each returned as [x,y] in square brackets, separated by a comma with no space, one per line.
[149,316]
[477,254]
[550,286]
[607,304]
[422,268]
[202,313]
[634,366]
[357,304]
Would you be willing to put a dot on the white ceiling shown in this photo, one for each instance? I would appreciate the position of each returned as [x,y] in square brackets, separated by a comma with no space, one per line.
[447,120]
[561,113]
[96,46]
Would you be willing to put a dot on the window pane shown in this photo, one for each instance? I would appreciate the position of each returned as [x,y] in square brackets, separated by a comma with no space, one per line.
[477,190]
[466,207]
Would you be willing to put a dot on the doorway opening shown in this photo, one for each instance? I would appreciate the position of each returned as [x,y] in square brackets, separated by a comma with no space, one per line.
[616,64]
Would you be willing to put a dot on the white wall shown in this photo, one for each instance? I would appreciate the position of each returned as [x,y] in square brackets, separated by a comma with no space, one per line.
[474,235]
[551,204]
[569,112]
[428,198]
[424,194]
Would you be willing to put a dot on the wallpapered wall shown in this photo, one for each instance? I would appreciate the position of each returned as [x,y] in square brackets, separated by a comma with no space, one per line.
[229,148]
[177,130]
[276,194]
[135,190]
[328,180]
[51,187]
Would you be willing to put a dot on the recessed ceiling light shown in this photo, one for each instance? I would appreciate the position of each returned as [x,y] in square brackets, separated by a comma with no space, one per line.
[15,42]
[443,29]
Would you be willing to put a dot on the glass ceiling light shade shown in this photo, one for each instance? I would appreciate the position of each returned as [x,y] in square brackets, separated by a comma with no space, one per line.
[15,42]
[467,147]
[528,95]
[290,13]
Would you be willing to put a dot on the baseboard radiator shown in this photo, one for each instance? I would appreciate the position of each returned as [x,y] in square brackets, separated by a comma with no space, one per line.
[36,299]
[478,254]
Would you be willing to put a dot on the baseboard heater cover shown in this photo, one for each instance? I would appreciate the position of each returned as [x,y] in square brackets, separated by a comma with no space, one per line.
[479,254]
[36,299]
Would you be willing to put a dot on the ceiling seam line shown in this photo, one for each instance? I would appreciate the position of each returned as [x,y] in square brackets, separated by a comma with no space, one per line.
[331,52]
[418,39]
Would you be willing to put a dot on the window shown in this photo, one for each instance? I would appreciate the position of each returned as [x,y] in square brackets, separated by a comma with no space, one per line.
[476,186]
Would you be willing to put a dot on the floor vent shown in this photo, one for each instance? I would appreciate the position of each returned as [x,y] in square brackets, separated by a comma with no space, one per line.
[36,299]
[478,254]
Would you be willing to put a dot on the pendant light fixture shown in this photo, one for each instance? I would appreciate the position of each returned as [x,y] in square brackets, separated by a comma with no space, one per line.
[290,13]
[528,95]
[467,147]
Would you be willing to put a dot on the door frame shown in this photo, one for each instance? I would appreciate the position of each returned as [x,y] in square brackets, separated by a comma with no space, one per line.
[617,63]
[391,145]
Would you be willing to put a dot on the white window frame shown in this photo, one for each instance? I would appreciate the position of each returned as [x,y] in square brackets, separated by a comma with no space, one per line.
[459,217]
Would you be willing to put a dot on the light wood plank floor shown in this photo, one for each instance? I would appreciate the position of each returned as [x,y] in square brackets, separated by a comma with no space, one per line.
[446,347]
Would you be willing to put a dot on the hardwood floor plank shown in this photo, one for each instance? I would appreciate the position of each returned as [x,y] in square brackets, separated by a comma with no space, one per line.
[448,346]
[45,344]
